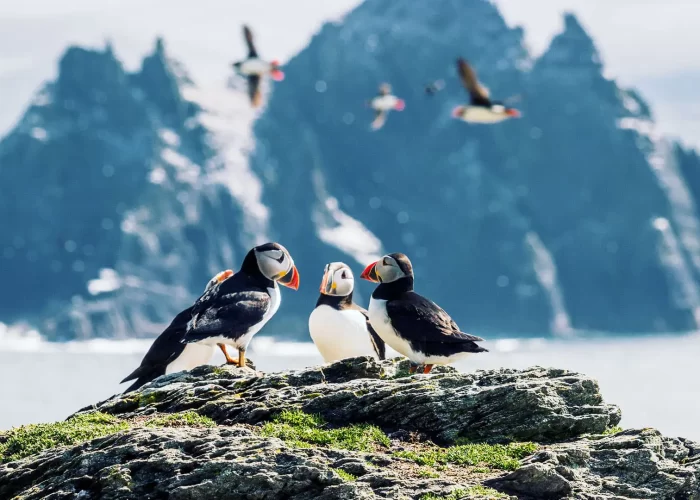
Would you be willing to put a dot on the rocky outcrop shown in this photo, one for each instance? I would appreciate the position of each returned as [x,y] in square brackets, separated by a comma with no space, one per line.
[354,429]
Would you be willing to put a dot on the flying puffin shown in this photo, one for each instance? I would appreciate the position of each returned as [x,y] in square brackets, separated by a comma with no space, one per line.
[480,109]
[411,324]
[434,87]
[235,310]
[384,102]
[168,355]
[253,68]
[340,328]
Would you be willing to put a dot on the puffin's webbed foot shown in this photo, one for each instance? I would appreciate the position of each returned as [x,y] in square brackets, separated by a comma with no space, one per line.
[241,358]
[412,368]
[427,368]
[229,359]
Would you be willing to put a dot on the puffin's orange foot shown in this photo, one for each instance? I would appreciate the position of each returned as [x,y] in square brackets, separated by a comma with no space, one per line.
[229,359]
[412,368]
[427,368]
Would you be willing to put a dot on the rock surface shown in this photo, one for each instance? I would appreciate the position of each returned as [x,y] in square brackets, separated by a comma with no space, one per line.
[576,456]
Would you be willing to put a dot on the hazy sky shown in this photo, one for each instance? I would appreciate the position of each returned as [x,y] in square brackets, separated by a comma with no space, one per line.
[648,44]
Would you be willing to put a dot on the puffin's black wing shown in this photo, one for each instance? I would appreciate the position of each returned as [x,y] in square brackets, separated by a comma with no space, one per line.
[248,35]
[377,342]
[478,93]
[230,315]
[418,319]
[163,351]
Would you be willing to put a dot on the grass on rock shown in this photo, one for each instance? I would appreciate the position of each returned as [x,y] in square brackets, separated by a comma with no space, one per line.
[345,476]
[457,494]
[612,430]
[494,456]
[183,419]
[302,430]
[27,440]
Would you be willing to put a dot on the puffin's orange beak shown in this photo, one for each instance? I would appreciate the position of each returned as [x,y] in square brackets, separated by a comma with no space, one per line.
[291,279]
[324,282]
[514,113]
[370,273]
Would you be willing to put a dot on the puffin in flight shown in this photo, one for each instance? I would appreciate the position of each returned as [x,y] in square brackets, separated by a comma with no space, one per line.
[382,103]
[340,328]
[408,322]
[254,68]
[235,310]
[168,355]
[480,109]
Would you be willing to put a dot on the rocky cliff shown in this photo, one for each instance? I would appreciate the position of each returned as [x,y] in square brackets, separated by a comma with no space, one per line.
[356,429]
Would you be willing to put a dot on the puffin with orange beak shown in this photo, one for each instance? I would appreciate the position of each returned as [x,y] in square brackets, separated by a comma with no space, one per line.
[254,68]
[340,328]
[168,354]
[481,109]
[231,313]
[408,322]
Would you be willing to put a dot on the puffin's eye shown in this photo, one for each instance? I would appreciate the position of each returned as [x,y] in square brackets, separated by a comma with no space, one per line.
[344,276]
[386,261]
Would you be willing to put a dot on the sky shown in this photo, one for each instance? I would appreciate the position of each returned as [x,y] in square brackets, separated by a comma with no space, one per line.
[650,45]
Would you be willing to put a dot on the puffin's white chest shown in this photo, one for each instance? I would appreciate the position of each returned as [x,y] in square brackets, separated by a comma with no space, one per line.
[192,356]
[381,323]
[254,66]
[385,102]
[480,114]
[340,334]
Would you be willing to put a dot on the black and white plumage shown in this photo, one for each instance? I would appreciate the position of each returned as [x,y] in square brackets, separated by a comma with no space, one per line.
[168,354]
[254,68]
[481,109]
[236,309]
[340,328]
[382,103]
[408,322]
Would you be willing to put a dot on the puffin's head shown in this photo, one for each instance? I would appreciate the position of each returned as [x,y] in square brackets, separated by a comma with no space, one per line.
[337,280]
[276,264]
[391,267]
[222,276]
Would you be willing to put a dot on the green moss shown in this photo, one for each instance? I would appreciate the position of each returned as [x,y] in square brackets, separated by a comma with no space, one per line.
[184,419]
[612,430]
[312,395]
[459,493]
[302,430]
[27,440]
[428,473]
[147,399]
[345,476]
[494,456]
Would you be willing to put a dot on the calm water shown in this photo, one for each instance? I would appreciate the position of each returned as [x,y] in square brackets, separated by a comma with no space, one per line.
[653,379]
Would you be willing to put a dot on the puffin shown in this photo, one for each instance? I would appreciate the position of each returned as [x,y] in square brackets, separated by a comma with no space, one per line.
[340,328]
[382,103]
[168,355]
[410,323]
[434,87]
[253,68]
[481,109]
[231,312]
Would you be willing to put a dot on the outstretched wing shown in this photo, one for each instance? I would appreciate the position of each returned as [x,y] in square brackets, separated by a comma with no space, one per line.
[248,35]
[254,90]
[478,93]
[421,320]
[230,315]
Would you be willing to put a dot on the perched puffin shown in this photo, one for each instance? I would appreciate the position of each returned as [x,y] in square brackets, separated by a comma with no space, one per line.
[434,87]
[253,68]
[340,328]
[409,323]
[237,308]
[384,102]
[480,109]
[168,355]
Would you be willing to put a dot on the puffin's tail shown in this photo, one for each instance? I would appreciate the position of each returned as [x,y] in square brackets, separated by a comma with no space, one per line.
[141,381]
[142,375]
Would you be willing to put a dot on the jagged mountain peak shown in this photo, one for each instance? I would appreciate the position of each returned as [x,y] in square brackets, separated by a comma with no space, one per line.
[573,49]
